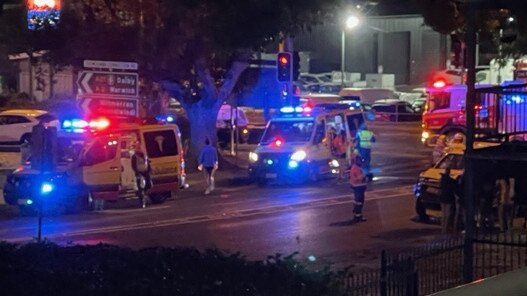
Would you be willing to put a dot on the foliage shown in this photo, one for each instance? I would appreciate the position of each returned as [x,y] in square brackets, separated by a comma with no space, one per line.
[449,17]
[48,269]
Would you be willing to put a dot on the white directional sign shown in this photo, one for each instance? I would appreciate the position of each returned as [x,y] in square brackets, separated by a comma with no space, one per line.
[108,84]
[110,65]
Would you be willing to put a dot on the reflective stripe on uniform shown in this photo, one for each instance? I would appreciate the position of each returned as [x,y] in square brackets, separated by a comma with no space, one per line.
[365,137]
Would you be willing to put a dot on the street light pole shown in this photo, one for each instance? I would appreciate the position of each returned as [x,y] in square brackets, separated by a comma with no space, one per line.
[351,22]
[342,58]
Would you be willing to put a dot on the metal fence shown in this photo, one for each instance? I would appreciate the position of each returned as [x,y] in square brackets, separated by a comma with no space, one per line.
[438,265]
[500,112]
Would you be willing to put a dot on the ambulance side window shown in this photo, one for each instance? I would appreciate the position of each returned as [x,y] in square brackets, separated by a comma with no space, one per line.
[320,133]
[160,143]
[100,151]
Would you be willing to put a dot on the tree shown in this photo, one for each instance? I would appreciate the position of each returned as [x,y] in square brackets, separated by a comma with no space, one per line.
[448,17]
[197,48]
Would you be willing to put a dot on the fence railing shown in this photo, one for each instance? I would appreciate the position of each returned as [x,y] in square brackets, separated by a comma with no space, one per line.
[438,265]
[500,112]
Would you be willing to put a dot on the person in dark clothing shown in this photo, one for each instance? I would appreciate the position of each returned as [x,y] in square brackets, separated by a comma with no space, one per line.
[142,169]
[447,186]
[460,204]
[208,163]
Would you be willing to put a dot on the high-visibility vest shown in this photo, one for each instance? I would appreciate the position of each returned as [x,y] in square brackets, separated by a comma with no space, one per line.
[365,139]
[357,176]
[338,145]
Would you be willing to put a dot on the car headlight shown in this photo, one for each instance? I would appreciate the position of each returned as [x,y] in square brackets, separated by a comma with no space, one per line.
[253,156]
[425,135]
[299,155]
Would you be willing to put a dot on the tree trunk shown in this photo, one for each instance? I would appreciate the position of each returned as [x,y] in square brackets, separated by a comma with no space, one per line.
[202,117]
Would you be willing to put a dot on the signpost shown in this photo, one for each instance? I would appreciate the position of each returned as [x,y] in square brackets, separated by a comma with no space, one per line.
[104,91]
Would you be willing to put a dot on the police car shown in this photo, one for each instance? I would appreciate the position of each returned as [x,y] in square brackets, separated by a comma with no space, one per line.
[296,145]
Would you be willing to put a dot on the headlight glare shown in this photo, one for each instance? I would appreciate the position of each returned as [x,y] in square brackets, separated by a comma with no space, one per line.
[253,156]
[299,155]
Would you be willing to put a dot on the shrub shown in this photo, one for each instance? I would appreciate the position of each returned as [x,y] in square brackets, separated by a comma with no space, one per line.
[49,269]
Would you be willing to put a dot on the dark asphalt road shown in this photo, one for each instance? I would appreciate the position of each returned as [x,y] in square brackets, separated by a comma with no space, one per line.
[310,219]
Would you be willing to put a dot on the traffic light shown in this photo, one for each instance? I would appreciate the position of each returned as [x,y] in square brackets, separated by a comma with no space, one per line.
[283,67]
[296,65]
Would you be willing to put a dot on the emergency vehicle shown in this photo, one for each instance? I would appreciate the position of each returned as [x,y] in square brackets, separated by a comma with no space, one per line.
[98,165]
[296,144]
[445,111]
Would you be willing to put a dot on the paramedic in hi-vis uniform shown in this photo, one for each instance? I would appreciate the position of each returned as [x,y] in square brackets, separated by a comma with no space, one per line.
[365,138]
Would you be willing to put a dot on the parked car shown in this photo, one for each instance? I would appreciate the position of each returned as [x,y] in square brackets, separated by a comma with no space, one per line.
[325,83]
[16,125]
[395,110]
[419,105]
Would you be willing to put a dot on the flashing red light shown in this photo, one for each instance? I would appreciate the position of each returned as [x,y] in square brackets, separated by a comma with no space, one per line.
[439,84]
[307,109]
[100,123]
[278,142]
[283,60]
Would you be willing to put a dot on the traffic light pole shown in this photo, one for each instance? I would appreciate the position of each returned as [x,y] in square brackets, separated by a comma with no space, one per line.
[289,48]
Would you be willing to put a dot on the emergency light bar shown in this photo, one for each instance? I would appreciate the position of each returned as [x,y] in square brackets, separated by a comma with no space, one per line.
[78,125]
[297,109]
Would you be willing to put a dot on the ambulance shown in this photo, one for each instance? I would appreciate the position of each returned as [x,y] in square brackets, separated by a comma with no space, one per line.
[296,146]
[101,166]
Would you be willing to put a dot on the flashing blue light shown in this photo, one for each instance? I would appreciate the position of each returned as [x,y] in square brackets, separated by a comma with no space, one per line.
[66,124]
[287,109]
[46,188]
[299,109]
[270,162]
[293,164]
[170,118]
[29,202]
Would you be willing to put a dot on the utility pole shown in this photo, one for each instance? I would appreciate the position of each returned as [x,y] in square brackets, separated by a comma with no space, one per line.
[468,251]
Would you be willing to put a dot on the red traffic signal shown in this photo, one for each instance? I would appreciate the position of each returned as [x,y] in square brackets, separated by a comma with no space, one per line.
[283,67]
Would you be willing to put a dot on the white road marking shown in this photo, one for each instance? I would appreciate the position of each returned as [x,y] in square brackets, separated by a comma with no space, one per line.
[329,201]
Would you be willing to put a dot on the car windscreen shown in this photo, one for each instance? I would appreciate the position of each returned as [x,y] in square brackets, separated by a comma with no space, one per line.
[289,131]
[454,161]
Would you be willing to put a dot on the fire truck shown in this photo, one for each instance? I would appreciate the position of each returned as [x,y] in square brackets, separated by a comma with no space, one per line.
[445,111]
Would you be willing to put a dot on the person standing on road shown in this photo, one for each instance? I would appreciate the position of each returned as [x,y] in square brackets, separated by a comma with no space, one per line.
[365,138]
[447,198]
[208,163]
[439,149]
[142,168]
[358,181]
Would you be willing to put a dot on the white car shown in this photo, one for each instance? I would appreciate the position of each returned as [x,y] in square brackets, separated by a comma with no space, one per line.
[16,125]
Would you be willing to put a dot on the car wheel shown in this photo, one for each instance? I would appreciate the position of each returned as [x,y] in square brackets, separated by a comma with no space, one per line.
[420,210]
[159,198]
[80,203]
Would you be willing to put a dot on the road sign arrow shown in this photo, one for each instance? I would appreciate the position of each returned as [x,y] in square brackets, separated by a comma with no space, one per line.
[85,82]
[85,104]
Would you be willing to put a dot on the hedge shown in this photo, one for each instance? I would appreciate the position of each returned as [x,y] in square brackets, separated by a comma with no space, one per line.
[49,269]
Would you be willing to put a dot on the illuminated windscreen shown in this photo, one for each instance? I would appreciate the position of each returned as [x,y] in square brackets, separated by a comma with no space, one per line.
[289,131]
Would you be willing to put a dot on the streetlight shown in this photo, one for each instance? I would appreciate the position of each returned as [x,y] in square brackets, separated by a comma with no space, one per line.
[351,22]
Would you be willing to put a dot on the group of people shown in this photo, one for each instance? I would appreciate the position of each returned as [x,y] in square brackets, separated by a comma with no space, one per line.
[360,159]
[499,199]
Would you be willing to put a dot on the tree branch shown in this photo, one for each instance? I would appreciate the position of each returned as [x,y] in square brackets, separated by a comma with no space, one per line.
[231,78]
[204,76]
